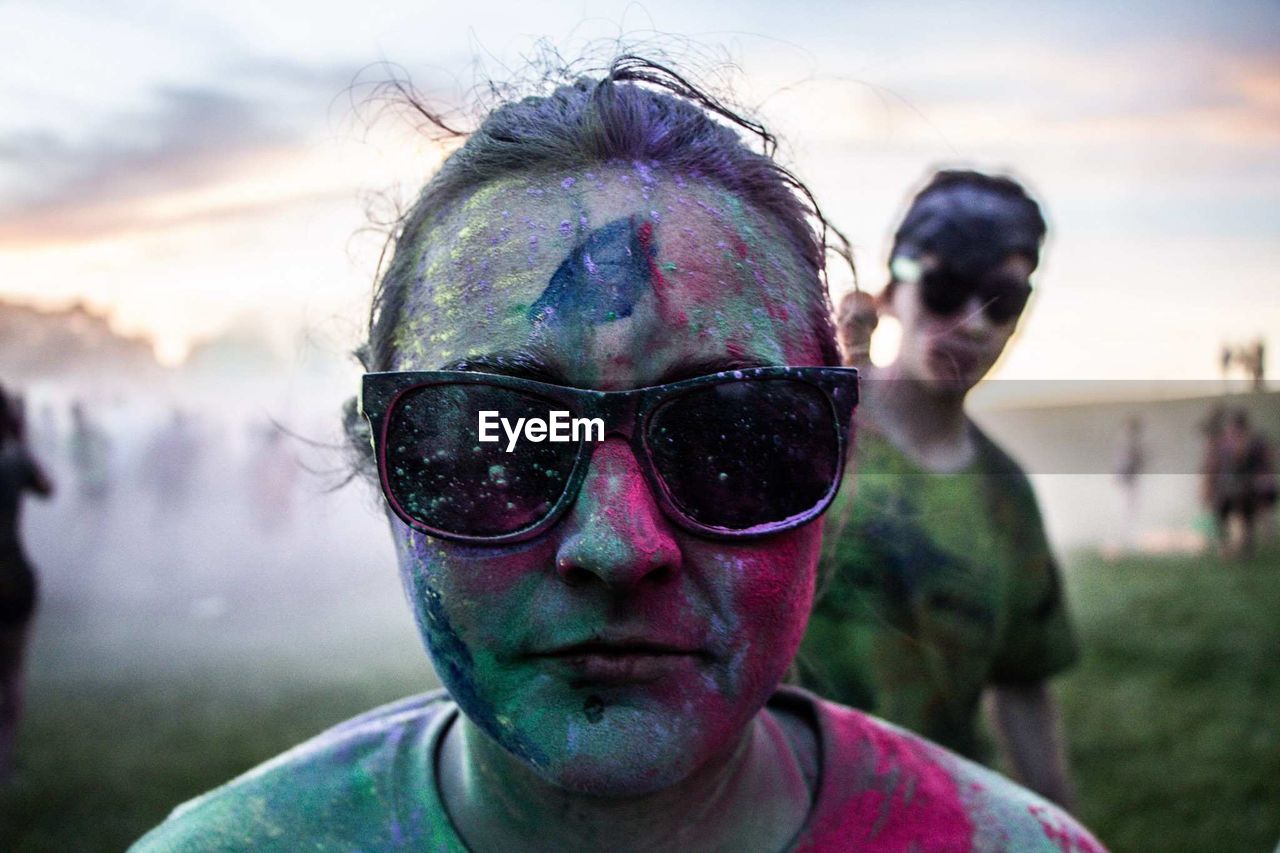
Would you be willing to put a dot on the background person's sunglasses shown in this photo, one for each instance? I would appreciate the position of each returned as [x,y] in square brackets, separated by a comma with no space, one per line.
[945,292]
[739,453]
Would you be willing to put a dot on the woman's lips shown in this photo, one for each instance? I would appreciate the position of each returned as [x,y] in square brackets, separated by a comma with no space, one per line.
[620,662]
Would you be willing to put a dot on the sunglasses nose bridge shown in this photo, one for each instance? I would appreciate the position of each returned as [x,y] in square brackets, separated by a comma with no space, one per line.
[618,410]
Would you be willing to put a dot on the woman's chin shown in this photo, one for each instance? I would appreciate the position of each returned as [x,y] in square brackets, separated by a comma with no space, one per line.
[619,750]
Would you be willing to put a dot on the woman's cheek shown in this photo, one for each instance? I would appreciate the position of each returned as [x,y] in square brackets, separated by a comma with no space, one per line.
[765,591]
[783,595]
[490,594]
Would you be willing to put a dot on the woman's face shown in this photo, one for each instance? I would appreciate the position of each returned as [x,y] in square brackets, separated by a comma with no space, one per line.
[718,287]
[956,350]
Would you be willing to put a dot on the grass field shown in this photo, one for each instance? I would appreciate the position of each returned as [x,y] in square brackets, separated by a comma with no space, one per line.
[1173,715]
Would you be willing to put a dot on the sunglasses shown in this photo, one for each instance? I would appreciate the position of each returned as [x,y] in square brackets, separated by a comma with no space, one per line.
[734,454]
[946,291]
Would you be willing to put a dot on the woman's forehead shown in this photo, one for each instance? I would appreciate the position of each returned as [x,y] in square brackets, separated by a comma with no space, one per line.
[600,261]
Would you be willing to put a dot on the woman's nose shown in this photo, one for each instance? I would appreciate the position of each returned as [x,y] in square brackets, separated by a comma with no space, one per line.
[973,318]
[616,533]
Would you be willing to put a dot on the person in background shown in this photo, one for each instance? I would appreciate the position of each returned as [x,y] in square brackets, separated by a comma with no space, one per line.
[940,586]
[1244,484]
[1131,458]
[90,454]
[19,473]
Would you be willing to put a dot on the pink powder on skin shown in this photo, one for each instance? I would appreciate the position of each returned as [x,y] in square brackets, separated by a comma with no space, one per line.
[907,803]
[1062,835]
[656,280]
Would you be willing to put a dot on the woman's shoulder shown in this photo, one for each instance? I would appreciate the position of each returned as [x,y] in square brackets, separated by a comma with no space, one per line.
[336,791]
[884,788]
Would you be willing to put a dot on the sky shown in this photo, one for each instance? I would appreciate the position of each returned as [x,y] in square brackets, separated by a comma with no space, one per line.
[191,167]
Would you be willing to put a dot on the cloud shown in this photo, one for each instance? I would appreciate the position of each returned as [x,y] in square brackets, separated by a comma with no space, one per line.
[1185,91]
[191,138]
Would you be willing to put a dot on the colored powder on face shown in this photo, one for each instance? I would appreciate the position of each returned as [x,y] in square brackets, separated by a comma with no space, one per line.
[602,278]
[659,282]
[456,667]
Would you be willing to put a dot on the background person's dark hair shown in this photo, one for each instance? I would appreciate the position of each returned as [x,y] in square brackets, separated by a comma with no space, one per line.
[971,221]
[639,111]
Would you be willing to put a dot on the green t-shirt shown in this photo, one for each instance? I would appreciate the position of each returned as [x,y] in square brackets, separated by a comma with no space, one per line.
[935,586]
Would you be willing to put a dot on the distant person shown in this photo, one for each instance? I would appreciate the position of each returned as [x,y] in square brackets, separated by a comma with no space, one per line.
[19,473]
[1241,477]
[942,586]
[1131,459]
[90,455]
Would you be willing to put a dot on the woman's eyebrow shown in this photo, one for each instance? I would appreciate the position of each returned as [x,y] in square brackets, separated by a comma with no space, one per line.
[691,368]
[519,363]
[525,364]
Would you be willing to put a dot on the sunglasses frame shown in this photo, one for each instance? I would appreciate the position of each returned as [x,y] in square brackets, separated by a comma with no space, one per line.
[625,413]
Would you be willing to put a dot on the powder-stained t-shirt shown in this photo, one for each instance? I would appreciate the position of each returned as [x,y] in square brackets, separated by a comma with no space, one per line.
[371,784]
[936,585]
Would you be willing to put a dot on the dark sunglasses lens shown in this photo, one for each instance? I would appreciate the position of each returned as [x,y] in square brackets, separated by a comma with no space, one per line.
[738,455]
[443,476]
[943,292]
[1006,301]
